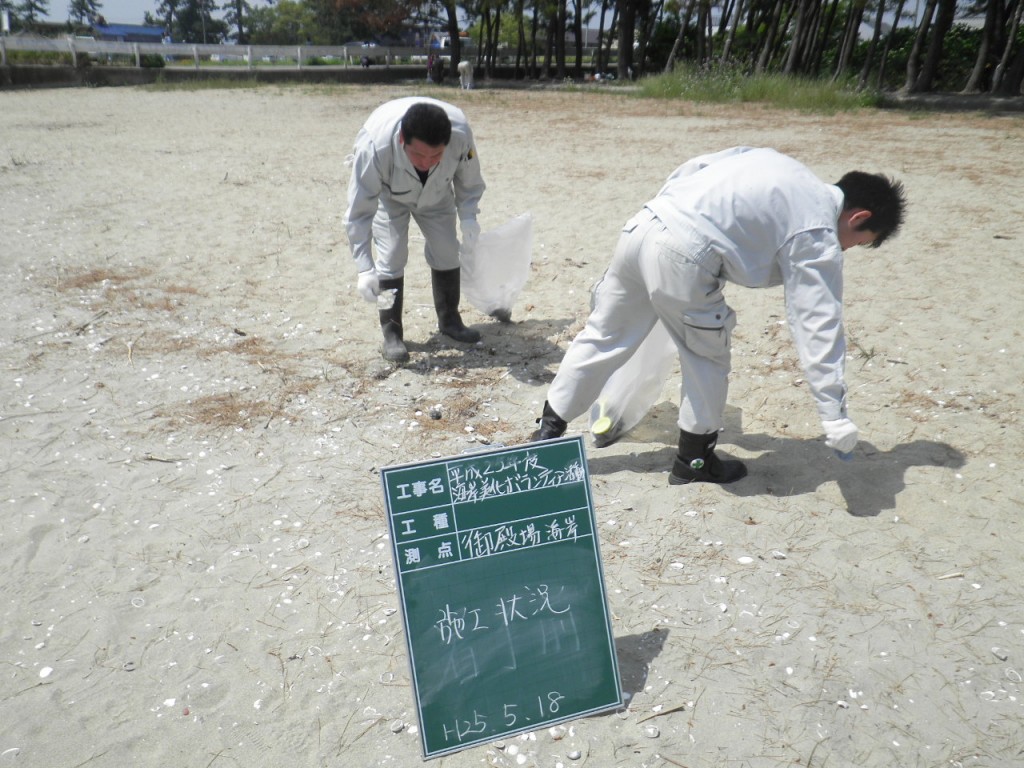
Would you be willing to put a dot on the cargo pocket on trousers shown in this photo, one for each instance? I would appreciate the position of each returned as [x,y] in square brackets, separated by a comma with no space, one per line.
[708,334]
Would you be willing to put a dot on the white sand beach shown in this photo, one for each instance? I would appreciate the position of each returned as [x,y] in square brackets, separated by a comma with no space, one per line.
[194,415]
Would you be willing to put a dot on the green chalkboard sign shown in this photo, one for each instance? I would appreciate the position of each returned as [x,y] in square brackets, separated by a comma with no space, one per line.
[502,592]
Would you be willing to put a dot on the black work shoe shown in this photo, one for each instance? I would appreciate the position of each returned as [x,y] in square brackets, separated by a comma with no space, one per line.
[551,425]
[696,461]
[713,470]
[455,329]
[394,349]
[446,287]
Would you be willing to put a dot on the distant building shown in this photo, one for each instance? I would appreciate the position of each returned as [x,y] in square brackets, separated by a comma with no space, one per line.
[128,33]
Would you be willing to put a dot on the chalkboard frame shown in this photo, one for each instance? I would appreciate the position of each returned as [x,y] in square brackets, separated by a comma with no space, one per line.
[542,489]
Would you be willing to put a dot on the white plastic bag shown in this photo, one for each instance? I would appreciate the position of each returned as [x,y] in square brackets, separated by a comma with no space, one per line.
[495,273]
[631,391]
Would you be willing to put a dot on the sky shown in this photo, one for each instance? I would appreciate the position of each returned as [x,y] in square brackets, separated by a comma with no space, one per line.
[114,11]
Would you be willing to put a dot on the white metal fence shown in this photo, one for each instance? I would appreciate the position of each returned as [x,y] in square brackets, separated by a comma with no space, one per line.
[240,55]
[248,56]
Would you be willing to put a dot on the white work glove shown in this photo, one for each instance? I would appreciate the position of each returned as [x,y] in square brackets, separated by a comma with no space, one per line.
[840,435]
[369,285]
[470,236]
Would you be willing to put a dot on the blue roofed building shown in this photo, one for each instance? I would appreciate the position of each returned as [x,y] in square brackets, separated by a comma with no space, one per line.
[128,33]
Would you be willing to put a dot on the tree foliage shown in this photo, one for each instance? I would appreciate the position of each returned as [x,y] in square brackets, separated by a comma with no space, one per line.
[286,23]
[84,11]
[236,16]
[190,21]
[32,10]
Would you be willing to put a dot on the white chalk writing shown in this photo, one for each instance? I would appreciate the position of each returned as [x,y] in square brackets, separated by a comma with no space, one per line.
[507,475]
[454,624]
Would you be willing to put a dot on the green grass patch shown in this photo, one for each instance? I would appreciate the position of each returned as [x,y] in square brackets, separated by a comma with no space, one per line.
[729,86]
[47,58]
[202,84]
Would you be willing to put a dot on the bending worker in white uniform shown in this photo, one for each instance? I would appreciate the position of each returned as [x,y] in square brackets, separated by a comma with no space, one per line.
[749,216]
[413,157]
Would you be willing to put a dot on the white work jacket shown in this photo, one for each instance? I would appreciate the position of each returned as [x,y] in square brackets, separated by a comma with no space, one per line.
[765,219]
[383,176]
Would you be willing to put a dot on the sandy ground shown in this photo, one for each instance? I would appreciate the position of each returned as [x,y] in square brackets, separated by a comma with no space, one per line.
[194,414]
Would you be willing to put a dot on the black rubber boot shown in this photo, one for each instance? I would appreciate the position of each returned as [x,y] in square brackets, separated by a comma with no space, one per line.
[446,285]
[696,462]
[391,322]
[551,425]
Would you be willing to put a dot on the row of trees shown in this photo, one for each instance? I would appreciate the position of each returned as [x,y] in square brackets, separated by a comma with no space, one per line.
[919,46]
[913,45]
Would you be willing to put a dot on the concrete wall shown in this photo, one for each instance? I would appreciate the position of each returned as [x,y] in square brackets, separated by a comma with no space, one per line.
[12,77]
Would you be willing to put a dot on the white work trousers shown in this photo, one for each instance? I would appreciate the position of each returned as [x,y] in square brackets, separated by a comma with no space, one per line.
[391,238]
[654,276]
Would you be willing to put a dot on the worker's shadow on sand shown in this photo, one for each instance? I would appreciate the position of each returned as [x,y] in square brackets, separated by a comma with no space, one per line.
[524,347]
[869,482]
[781,466]
[636,653]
